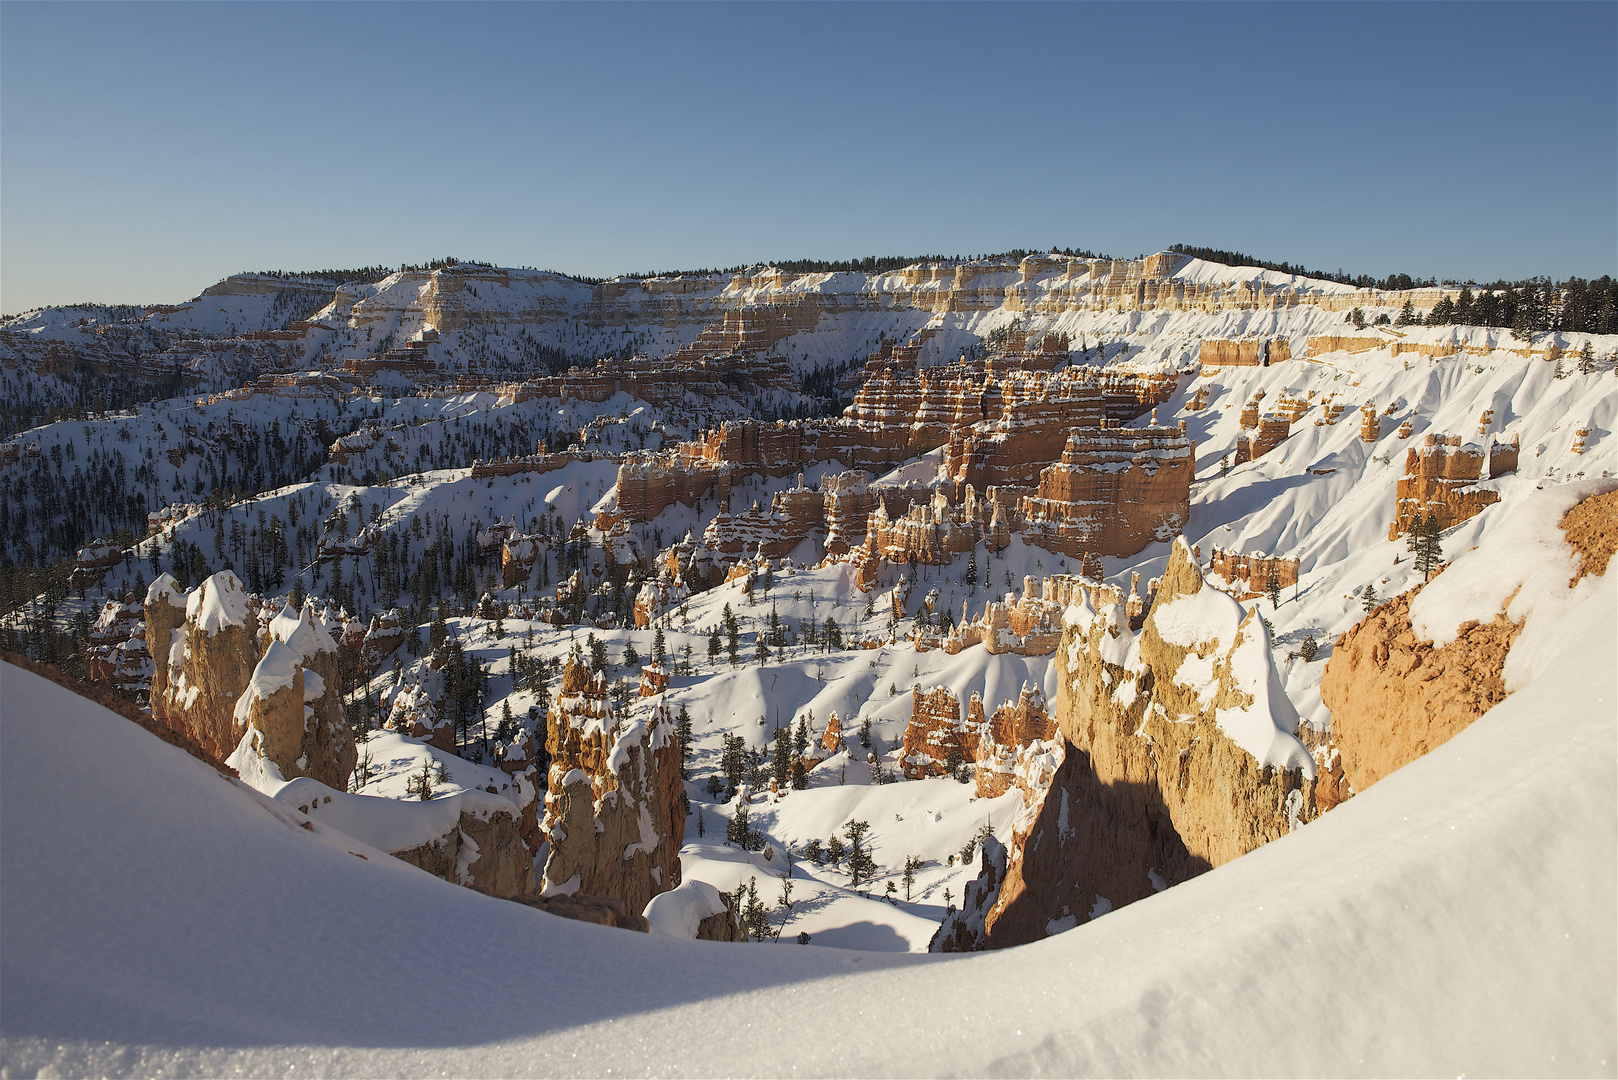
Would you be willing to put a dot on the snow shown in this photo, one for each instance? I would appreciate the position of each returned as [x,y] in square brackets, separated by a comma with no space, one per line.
[1265,728]
[679,912]
[307,637]
[276,670]
[1522,568]
[123,955]
[165,588]
[1203,618]
[217,603]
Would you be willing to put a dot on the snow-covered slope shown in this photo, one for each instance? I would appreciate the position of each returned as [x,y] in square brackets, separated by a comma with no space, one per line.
[1456,918]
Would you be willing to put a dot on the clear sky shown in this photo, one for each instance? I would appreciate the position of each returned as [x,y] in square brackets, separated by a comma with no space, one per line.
[147,150]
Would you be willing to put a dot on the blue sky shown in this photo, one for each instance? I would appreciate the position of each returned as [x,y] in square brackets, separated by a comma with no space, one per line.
[146,150]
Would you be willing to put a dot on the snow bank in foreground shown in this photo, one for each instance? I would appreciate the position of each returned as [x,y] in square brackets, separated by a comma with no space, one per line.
[1456,918]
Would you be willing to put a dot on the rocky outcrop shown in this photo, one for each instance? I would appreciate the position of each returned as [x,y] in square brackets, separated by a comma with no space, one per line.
[1113,492]
[271,693]
[1441,480]
[117,653]
[934,738]
[1029,624]
[1247,352]
[1002,742]
[613,810]
[695,910]
[963,930]
[210,663]
[1177,754]
[469,838]
[1250,575]
[1394,697]
[1404,681]
[164,612]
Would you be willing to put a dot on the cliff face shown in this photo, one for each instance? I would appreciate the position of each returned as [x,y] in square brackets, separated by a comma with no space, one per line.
[1176,756]
[1420,668]
[1394,697]
[613,811]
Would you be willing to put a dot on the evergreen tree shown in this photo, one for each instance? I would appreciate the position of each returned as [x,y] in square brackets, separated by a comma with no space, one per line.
[833,634]
[1272,589]
[781,758]
[682,731]
[1429,546]
[971,576]
[713,647]
[659,647]
[861,867]
[912,864]
[631,657]
[1369,599]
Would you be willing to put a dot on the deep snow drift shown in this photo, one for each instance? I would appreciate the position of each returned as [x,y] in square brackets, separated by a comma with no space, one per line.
[1456,918]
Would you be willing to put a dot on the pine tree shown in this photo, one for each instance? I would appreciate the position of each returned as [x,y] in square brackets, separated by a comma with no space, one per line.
[1587,359]
[713,647]
[1369,601]
[971,577]
[1430,550]
[781,758]
[1272,589]
[659,647]
[682,731]
[631,657]
[861,867]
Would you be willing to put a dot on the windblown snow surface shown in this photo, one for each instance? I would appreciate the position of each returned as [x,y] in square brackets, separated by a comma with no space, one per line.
[1456,918]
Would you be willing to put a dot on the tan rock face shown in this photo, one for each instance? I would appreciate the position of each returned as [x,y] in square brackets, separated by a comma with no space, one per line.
[1153,786]
[484,852]
[204,686]
[1113,492]
[613,810]
[1591,528]
[164,613]
[219,653]
[1441,479]
[1393,697]
[934,734]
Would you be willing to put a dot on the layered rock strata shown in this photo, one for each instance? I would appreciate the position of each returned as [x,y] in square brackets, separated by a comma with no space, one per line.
[1113,492]
[1441,480]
